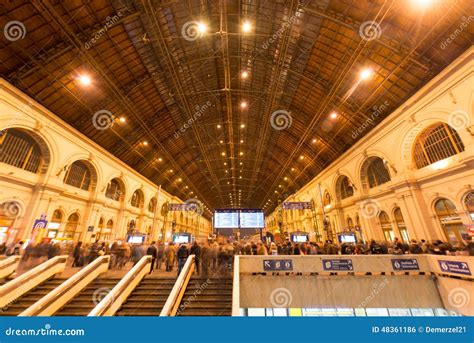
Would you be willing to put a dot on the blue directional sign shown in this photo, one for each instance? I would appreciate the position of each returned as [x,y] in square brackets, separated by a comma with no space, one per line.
[275,265]
[40,224]
[338,264]
[455,267]
[405,264]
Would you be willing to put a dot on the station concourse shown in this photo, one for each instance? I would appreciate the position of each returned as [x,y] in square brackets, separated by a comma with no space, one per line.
[237,158]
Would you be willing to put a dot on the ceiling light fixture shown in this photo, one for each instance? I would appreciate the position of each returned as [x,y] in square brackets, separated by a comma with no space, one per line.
[85,79]
[246,26]
[333,115]
[366,73]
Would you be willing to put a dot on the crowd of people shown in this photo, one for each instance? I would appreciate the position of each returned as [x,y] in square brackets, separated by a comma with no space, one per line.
[213,256]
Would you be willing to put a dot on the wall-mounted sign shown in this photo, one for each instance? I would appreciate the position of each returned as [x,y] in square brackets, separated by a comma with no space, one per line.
[455,267]
[405,264]
[338,264]
[274,265]
[296,205]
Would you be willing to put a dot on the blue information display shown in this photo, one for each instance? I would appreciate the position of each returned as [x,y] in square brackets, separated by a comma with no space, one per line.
[405,264]
[455,267]
[277,265]
[336,264]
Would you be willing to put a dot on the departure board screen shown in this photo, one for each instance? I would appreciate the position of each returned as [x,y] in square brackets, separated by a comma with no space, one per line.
[251,219]
[226,219]
[239,218]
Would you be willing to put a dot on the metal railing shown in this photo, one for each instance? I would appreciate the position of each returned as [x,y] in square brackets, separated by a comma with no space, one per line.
[117,296]
[48,305]
[174,299]
[8,265]
[17,287]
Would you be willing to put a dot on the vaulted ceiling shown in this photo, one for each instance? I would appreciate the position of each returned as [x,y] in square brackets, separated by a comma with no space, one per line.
[174,71]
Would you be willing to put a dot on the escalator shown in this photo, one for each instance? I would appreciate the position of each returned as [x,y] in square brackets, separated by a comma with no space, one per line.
[207,297]
[90,296]
[22,303]
[148,298]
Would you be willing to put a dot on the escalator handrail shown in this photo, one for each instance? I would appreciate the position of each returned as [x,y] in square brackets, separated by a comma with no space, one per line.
[64,287]
[116,292]
[9,261]
[9,286]
[176,294]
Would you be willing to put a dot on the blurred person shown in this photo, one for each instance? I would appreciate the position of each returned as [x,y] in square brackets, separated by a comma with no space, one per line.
[154,253]
[205,259]
[76,255]
[196,251]
[170,253]
[160,254]
[182,255]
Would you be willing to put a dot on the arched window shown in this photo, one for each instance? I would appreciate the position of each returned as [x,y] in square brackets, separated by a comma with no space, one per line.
[344,187]
[57,216]
[384,221]
[114,190]
[326,199]
[435,143]
[350,223]
[152,205]
[20,150]
[137,199]
[374,172]
[401,226]
[79,175]
[71,227]
[450,220]
[469,202]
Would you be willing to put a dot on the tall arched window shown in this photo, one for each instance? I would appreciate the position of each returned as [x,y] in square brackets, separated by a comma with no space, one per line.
[435,143]
[71,226]
[137,199]
[469,202]
[401,226]
[344,187]
[114,190]
[350,223]
[450,220]
[79,175]
[326,199]
[374,172]
[384,221]
[152,205]
[20,150]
